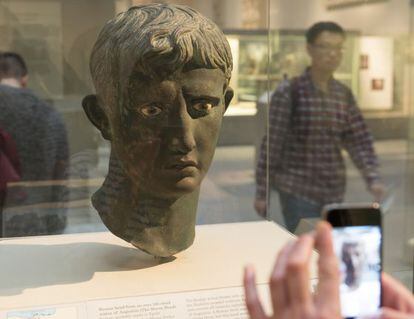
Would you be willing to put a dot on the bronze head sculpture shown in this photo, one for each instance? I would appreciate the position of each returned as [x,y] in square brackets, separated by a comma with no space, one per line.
[161,74]
[354,257]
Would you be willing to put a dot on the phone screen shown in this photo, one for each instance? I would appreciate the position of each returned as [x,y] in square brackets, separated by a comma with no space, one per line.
[359,252]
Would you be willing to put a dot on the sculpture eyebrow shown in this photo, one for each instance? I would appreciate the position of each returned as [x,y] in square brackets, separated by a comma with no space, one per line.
[214,99]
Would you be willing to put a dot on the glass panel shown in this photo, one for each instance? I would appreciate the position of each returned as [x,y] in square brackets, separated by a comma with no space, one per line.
[376,66]
[55,169]
[64,164]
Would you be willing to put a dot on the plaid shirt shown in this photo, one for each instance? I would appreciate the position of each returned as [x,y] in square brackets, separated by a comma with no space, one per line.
[305,141]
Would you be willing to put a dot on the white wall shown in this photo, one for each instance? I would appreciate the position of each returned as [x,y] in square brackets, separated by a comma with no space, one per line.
[379,52]
[388,17]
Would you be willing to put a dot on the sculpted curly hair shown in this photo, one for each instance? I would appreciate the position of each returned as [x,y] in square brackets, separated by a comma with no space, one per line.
[155,41]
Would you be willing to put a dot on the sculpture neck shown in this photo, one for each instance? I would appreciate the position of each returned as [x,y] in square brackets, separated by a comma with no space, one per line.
[158,226]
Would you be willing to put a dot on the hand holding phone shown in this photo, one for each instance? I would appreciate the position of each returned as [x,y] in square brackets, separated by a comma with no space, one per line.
[289,286]
[357,238]
[289,283]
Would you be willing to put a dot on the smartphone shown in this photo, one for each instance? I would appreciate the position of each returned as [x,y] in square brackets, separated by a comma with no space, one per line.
[357,235]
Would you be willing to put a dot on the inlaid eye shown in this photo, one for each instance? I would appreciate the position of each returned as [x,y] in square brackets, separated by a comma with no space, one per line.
[203,106]
[150,110]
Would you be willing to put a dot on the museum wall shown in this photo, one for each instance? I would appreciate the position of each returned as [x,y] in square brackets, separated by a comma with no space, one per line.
[364,18]
[386,43]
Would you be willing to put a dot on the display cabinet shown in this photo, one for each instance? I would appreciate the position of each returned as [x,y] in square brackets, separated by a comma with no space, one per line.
[56,37]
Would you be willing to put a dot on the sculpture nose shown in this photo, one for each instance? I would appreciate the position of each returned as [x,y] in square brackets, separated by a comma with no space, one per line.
[181,132]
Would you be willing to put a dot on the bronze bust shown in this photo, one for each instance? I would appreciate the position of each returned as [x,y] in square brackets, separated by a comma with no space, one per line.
[161,74]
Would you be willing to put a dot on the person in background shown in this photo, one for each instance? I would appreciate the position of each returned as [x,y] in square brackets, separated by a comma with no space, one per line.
[9,168]
[42,148]
[311,119]
[291,297]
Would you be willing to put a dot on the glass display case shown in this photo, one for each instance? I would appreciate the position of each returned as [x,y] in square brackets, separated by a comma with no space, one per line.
[268,45]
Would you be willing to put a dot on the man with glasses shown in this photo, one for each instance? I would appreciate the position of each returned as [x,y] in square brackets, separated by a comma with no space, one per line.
[311,119]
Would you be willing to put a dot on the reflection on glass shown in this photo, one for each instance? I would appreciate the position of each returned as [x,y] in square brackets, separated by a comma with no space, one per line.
[312,117]
[31,203]
[56,38]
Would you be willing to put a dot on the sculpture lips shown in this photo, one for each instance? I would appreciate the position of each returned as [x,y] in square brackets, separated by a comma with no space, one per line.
[182,164]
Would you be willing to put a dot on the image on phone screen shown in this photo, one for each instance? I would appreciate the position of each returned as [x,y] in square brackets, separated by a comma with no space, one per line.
[358,249]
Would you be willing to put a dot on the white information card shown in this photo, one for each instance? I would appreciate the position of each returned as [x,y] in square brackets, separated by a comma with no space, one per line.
[203,304]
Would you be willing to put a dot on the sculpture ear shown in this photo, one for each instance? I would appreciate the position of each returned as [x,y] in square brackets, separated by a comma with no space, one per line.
[228,97]
[96,115]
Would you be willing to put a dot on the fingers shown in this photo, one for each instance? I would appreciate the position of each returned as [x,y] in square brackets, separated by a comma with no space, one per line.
[289,282]
[328,268]
[395,295]
[298,277]
[298,280]
[278,285]
[253,304]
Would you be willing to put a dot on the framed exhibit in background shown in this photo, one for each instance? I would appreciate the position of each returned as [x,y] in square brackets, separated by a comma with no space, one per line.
[376,72]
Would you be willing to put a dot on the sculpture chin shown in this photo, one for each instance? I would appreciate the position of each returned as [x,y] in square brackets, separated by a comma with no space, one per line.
[185,186]
[172,186]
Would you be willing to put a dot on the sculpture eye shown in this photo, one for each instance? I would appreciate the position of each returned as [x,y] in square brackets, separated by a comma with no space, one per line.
[203,106]
[150,110]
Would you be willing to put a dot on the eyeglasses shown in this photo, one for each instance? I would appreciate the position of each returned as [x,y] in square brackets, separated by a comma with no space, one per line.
[326,48]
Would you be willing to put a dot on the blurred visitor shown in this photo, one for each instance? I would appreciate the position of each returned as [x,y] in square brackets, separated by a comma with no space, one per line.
[9,168]
[311,119]
[32,208]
